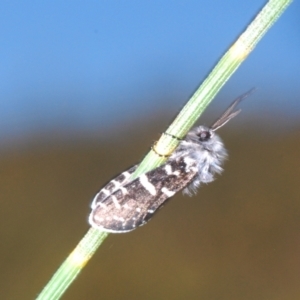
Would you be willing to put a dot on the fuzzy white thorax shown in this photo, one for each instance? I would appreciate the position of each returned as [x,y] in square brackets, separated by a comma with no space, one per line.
[203,146]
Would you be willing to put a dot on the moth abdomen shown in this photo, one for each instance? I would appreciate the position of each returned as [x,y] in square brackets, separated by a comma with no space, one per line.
[137,201]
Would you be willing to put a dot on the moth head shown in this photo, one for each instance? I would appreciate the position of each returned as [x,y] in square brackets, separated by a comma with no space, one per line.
[202,135]
[206,136]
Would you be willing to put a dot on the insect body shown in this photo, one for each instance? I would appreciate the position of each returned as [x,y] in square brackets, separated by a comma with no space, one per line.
[123,205]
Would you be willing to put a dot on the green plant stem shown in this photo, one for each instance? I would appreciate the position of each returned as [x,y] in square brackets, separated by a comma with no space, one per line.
[166,144]
[71,267]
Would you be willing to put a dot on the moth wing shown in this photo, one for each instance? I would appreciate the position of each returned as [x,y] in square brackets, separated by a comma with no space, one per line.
[135,203]
[112,186]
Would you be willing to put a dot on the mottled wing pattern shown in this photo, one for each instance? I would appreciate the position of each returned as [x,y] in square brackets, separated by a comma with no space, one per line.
[136,202]
[112,186]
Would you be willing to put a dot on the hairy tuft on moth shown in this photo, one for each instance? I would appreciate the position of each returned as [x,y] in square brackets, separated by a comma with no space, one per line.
[123,205]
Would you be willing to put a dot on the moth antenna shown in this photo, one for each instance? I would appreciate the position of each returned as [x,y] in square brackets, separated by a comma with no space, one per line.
[229,113]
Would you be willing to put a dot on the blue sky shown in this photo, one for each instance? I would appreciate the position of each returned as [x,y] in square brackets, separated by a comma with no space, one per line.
[95,65]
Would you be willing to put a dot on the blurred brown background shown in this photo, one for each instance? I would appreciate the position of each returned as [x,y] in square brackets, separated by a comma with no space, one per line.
[239,238]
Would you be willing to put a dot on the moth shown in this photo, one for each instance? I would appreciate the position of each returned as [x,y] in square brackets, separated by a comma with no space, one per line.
[123,205]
